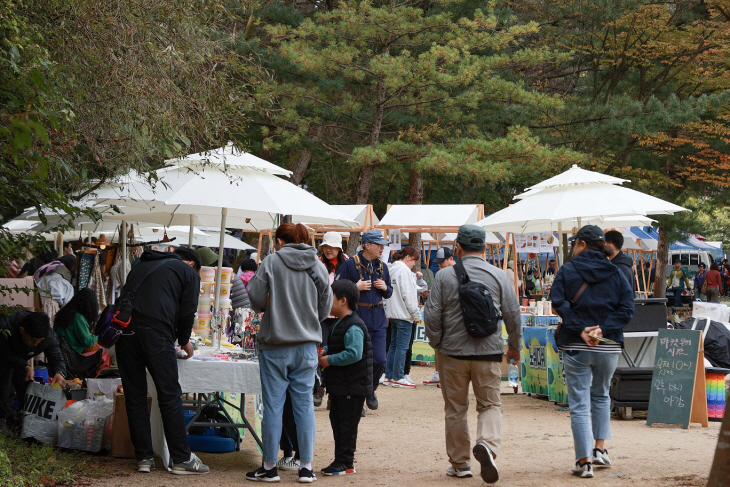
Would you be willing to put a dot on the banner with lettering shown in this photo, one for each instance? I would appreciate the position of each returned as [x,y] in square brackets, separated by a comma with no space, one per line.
[40,414]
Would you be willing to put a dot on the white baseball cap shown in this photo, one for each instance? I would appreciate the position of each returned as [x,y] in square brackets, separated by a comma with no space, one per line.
[333,239]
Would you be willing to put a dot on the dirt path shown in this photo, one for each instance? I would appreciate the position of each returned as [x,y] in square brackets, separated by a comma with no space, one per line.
[402,444]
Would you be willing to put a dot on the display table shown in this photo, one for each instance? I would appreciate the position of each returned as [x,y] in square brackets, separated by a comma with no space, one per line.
[210,377]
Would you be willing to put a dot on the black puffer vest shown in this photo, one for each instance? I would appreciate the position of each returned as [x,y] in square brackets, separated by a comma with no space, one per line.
[354,379]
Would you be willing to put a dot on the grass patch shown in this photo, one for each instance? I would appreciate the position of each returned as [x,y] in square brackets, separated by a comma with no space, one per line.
[26,464]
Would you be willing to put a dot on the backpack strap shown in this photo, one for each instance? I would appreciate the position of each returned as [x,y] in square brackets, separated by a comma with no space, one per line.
[313,276]
[579,293]
[461,274]
[131,292]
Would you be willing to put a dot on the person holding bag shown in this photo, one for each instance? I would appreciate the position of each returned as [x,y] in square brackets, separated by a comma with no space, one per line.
[595,301]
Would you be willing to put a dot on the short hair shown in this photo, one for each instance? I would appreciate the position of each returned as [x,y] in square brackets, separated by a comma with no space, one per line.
[189,254]
[344,288]
[290,233]
[552,260]
[69,260]
[36,324]
[614,237]
[248,265]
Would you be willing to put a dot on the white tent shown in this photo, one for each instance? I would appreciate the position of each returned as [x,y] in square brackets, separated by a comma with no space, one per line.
[430,218]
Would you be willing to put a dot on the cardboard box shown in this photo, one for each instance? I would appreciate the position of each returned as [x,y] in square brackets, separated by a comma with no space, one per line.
[121,441]
[16,295]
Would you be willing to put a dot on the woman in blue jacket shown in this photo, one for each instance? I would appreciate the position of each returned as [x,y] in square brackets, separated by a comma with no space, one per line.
[595,302]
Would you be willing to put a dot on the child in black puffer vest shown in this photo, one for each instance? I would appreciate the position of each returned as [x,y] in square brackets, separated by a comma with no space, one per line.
[348,369]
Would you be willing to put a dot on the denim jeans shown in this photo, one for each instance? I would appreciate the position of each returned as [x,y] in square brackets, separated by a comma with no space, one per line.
[400,336]
[288,369]
[153,350]
[588,377]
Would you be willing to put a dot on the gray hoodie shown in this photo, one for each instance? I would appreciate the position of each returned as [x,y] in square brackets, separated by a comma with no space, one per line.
[293,305]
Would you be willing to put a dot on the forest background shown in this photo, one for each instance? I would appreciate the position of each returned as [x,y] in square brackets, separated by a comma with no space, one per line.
[383,102]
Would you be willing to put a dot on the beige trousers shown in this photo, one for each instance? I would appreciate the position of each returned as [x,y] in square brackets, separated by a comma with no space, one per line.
[485,378]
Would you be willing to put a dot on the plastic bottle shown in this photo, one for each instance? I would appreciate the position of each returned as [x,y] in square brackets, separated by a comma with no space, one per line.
[513,375]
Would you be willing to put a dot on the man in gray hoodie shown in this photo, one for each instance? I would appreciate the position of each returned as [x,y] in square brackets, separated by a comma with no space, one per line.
[464,359]
[292,289]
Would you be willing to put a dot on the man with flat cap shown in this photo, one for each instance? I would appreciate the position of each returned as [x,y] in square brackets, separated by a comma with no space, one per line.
[367,270]
[464,358]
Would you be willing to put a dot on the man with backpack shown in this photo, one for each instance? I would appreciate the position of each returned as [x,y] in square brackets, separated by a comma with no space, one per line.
[462,324]
[163,289]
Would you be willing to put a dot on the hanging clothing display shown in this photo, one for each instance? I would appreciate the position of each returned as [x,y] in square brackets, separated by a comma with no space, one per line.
[96,283]
[117,275]
[85,265]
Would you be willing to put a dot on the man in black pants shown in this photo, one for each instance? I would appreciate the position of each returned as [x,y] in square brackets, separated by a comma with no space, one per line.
[163,309]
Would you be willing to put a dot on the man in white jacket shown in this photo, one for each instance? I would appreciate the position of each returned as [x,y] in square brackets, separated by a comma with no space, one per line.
[402,311]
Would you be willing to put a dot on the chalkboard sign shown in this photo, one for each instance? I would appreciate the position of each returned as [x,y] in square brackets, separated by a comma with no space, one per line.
[678,380]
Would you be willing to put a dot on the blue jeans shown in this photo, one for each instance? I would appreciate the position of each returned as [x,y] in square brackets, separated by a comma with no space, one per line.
[588,376]
[400,337]
[288,369]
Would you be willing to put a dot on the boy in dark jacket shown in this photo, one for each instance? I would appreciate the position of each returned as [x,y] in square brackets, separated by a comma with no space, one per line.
[348,368]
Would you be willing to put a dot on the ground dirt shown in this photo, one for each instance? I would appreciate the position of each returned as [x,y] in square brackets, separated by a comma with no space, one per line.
[402,444]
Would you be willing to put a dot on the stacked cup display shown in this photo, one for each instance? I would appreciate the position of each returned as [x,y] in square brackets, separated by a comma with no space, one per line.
[715,386]
[205,301]
[224,297]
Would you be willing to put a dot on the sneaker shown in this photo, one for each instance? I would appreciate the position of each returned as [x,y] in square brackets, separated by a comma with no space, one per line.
[338,469]
[403,384]
[387,382]
[263,475]
[363,412]
[192,467]
[433,380]
[600,458]
[382,379]
[288,463]
[306,476]
[459,472]
[318,396]
[485,456]
[146,466]
[372,401]
[583,470]
[408,379]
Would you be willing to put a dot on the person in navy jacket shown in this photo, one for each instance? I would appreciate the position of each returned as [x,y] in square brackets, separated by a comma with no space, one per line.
[369,272]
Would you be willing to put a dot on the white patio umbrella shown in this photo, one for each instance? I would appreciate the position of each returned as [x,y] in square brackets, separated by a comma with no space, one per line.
[575,176]
[207,196]
[228,156]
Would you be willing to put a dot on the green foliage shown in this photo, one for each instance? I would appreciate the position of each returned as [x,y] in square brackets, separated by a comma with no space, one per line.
[23,464]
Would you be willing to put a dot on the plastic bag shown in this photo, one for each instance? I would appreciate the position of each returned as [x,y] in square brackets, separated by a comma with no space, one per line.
[43,404]
[85,425]
[102,387]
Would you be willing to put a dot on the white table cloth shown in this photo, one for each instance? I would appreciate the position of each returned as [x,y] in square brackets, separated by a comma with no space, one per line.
[203,377]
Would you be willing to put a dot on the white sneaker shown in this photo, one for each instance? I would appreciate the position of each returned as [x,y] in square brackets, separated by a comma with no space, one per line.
[408,379]
[433,380]
[402,383]
[382,379]
[288,463]
[584,471]
[459,472]
[600,458]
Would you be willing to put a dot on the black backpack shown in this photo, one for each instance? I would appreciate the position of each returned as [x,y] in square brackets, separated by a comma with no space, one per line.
[480,315]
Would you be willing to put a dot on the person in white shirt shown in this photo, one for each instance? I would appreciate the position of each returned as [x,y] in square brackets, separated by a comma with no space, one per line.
[402,310]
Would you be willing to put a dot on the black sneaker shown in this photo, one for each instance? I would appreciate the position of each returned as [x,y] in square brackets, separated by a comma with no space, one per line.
[318,396]
[263,475]
[484,455]
[306,476]
[339,469]
[371,402]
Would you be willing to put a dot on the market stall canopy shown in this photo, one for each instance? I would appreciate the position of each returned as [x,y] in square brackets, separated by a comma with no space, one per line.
[491,238]
[430,218]
[228,156]
[253,199]
[574,176]
[605,205]
[363,215]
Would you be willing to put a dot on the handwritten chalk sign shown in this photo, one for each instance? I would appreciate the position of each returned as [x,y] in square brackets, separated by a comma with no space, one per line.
[678,380]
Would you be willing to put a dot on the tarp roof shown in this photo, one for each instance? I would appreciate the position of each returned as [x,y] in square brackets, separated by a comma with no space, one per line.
[429,218]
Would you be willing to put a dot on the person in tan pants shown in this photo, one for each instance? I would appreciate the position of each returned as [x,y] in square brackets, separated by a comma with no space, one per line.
[464,359]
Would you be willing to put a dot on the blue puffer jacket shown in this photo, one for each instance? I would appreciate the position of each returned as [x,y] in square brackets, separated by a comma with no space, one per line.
[608,301]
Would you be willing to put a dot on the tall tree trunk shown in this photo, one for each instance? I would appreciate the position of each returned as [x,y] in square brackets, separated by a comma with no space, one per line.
[660,279]
[720,473]
[300,166]
[368,173]
[416,198]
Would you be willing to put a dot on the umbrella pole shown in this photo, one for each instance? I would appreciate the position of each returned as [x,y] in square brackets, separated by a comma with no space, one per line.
[560,244]
[192,228]
[123,239]
[224,213]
